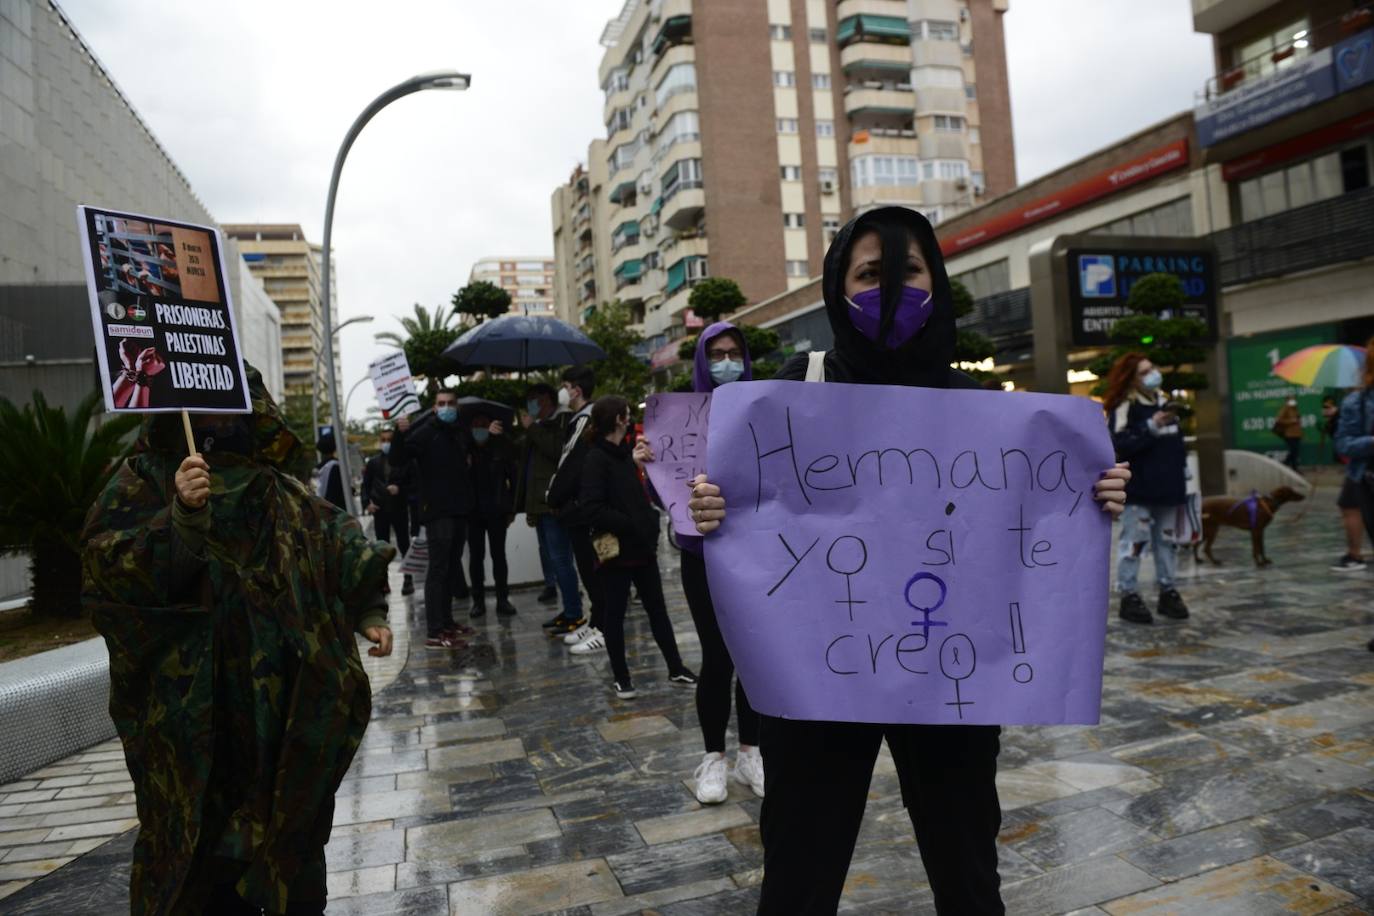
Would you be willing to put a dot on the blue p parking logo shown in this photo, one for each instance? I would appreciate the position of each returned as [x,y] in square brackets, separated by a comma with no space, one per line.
[1096,276]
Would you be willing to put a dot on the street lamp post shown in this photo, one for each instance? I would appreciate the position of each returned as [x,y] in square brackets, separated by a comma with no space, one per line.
[315,378]
[445,79]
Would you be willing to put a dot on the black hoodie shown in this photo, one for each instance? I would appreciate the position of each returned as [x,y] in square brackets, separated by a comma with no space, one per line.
[923,361]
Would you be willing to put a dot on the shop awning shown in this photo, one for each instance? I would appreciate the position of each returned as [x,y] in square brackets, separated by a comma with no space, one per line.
[873,27]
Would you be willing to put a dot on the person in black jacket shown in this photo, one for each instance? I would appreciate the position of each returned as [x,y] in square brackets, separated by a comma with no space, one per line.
[1146,433]
[439,447]
[888,300]
[386,491]
[614,502]
[493,478]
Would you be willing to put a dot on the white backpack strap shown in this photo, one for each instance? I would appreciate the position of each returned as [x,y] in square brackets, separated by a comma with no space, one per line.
[1120,416]
[815,366]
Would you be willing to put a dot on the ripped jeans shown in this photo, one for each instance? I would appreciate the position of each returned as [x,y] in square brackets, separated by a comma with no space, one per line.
[1146,528]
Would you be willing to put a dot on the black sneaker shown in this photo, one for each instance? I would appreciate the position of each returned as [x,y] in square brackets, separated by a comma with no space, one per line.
[552,622]
[565,625]
[505,608]
[408,585]
[1133,609]
[548,596]
[625,691]
[1171,604]
[683,678]
[1348,563]
[479,608]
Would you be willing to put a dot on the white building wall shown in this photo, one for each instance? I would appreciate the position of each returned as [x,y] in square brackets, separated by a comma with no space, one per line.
[258,320]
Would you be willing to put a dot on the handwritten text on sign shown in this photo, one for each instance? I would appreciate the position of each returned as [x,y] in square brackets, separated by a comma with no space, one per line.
[911,555]
[675,427]
[395,387]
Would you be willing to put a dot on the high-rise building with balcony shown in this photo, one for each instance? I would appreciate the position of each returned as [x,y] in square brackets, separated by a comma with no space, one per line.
[740,136]
[289,267]
[528,281]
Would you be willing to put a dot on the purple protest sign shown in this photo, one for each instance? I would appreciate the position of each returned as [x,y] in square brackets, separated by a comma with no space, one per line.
[675,427]
[908,555]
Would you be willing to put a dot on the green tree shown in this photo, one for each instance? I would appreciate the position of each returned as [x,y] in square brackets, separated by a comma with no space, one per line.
[481,300]
[969,346]
[621,372]
[1170,343]
[299,418]
[425,338]
[54,466]
[716,296]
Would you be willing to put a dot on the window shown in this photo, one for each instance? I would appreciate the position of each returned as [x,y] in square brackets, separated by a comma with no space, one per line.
[949,123]
[937,30]
[797,269]
[780,32]
[974,136]
[787,125]
[830,176]
[685,272]
[937,78]
[988,280]
[683,127]
[784,78]
[1174,219]
[622,156]
[825,128]
[794,220]
[1257,56]
[816,35]
[820,81]
[952,169]
[884,171]
[830,227]
[1304,183]
[791,173]
[969,92]
[679,78]
[979,184]
[617,81]
[620,120]
[685,173]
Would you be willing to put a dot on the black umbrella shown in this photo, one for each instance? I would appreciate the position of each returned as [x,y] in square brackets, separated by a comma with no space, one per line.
[494,409]
[523,342]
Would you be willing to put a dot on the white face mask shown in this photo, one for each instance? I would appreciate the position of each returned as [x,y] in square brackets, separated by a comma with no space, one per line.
[564,397]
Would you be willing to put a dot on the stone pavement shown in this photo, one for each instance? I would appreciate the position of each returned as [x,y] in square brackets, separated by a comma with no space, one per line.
[1233,772]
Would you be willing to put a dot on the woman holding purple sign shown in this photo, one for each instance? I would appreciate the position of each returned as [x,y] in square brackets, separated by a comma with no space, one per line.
[888,299]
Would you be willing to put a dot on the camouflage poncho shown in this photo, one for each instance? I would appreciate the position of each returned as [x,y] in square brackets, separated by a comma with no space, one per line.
[236,685]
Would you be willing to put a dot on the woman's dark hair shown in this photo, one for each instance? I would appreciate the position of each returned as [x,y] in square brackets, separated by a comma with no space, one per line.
[540,390]
[1121,379]
[605,412]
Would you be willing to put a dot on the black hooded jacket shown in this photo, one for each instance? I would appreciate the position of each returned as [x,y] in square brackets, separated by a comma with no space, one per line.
[924,361]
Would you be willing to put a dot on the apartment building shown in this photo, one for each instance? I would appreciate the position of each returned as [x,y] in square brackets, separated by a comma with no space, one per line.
[288,264]
[741,136]
[528,280]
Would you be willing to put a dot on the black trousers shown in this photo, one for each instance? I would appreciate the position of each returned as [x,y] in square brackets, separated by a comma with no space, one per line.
[818,776]
[615,580]
[1294,450]
[391,519]
[483,531]
[446,537]
[717,668]
[585,556]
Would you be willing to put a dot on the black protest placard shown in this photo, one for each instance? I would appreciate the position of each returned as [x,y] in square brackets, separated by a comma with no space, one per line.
[160,310]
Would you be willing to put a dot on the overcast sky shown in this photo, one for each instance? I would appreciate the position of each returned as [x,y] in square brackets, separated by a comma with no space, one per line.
[252,98]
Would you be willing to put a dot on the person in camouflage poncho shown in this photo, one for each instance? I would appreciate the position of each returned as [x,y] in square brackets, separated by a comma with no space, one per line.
[228,596]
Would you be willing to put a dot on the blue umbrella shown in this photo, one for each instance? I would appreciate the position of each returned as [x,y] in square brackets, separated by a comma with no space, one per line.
[523,342]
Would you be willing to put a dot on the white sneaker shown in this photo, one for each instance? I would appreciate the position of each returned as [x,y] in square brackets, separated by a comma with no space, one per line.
[581,633]
[749,769]
[711,776]
[593,643]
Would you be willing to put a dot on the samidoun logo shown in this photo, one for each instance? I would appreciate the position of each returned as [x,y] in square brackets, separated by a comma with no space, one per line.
[129,330]
[1096,276]
[137,312]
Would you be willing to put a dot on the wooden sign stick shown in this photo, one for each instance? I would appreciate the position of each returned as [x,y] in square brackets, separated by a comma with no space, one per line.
[186,425]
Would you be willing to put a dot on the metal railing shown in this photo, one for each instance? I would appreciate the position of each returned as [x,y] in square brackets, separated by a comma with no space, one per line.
[1000,314]
[1326,232]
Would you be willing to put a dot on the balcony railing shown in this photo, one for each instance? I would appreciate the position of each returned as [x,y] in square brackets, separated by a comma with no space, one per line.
[1307,42]
[1327,232]
[1001,314]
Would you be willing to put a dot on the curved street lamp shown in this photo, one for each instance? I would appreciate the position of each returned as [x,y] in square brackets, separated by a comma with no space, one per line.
[442,79]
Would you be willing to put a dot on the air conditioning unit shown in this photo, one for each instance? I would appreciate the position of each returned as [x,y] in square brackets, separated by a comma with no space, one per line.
[827,187]
[961,184]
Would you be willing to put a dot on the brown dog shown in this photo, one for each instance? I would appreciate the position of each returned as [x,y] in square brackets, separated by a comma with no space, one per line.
[1254,512]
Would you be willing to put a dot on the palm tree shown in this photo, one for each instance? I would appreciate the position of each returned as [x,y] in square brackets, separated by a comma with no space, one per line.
[421,323]
[54,467]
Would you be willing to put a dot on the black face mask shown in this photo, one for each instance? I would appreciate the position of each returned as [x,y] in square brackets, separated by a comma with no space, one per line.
[225,437]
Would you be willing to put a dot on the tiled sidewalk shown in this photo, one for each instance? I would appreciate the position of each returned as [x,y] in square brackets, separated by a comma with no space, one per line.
[1233,772]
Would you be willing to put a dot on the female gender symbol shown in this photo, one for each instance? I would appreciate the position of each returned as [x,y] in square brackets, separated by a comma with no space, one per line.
[927,623]
[858,560]
[957,661]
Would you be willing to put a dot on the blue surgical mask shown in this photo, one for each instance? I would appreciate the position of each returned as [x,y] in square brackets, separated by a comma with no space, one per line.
[727,370]
[386,448]
[1152,380]
[532,407]
[479,435]
[447,414]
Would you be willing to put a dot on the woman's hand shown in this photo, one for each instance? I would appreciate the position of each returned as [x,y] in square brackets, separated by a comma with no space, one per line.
[193,482]
[382,637]
[1110,491]
[708,508]
[643,453]
[150,362]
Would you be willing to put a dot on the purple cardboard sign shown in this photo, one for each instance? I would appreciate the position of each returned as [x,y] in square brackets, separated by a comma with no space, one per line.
[675,428]
[908,555]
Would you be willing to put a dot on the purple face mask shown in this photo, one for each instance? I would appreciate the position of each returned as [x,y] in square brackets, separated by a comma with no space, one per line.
[913,311]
